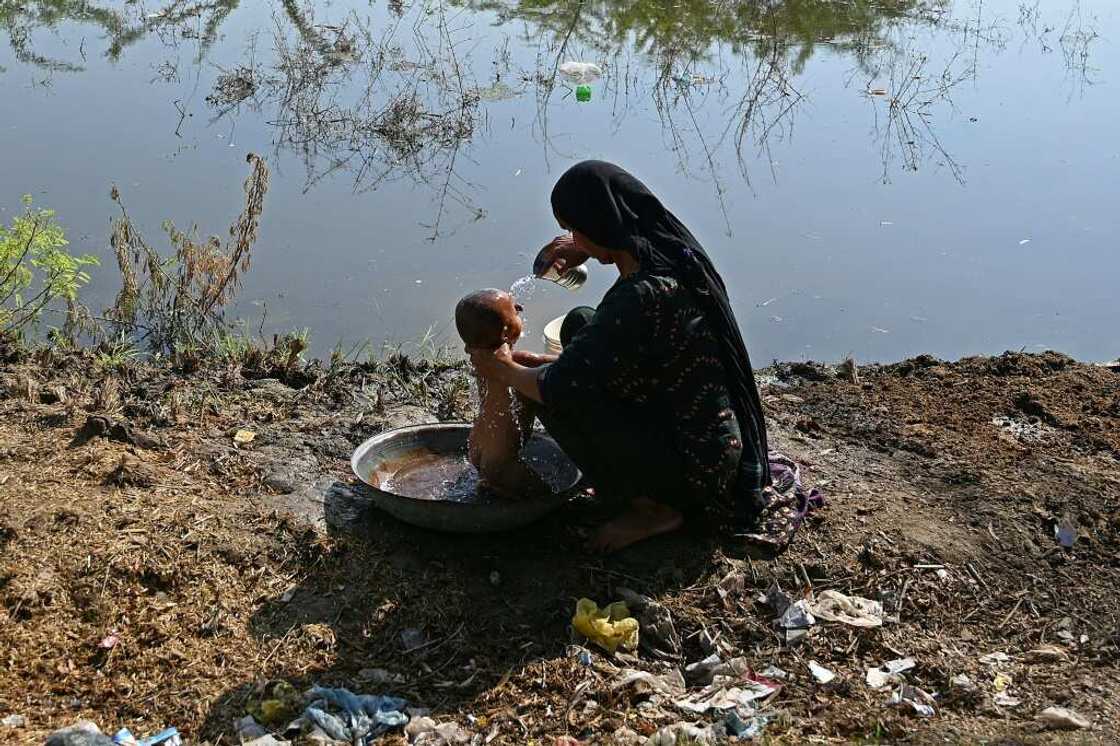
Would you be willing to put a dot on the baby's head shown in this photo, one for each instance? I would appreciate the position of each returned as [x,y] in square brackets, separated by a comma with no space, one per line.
[487,318]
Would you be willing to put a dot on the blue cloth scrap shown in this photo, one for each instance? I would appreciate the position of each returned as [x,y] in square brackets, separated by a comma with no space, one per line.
[366,716]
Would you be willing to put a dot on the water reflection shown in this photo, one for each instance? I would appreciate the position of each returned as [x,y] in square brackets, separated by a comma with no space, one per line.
[759,108]
[23,22]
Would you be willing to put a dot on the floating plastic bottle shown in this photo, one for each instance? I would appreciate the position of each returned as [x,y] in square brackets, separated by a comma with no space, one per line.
[583,93]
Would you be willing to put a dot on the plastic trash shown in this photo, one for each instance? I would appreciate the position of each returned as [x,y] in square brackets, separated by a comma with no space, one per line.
[244,437]
[583,93]
[776,599]
[659,637]
[833,606]
[701,672]
[14,721]
[580,73]
[610,628]
[889,673]
[412,638]
[166,737]
[744,730]
[920,701]
[248,729]
[82,733]
[820,673]
[797,616]
[773,672]
[1065,531]
[280,704]
[680,733]
[993,659]
[1003,699]
[1060,718]
[963,682]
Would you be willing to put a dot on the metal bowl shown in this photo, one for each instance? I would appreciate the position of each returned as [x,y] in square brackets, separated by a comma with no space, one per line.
[373,463]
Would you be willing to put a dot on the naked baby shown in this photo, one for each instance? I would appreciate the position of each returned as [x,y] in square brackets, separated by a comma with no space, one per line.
[488,319]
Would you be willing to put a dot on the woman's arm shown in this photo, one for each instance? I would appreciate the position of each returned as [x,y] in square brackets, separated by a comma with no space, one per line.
[499,365]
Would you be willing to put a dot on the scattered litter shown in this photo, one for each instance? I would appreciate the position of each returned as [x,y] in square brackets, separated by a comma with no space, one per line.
[109,642]
[82,733]
[773,672]
[659,637]
[679,733]
[644,682]
[920,701]
[820,673]
[277,706]
[244,437]
[992,659]
[889,673]
[1001,681]
[412,638]
[14,721]
[1003,699]
[248,729]
[610,628]
[794,636]
[167,737]
[963,682]
[367,716]
[701,672]
[731,585]
[1065,531]
[1024,242]
[1059,718]
[880,330]
[833,606]
[765,303]
[380,676]
[583,93]
[1047,654]
[878,92]
[797,616]
[886,222]
[744,729]
[580,73]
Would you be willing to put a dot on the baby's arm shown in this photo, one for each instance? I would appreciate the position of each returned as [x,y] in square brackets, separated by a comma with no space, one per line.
[495,438]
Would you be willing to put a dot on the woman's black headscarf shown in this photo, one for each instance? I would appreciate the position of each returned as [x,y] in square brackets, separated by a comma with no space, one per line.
[615,210]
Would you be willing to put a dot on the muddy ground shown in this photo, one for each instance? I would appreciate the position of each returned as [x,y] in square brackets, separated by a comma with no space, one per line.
[155,572]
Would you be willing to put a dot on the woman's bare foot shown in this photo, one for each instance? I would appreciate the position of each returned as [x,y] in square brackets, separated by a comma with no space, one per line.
[643,519]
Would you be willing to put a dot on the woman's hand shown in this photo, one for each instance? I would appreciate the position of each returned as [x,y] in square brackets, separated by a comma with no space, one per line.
[559,253]
[493,364]
[532,359]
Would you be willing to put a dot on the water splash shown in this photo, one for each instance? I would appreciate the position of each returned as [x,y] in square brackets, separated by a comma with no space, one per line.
[524,288]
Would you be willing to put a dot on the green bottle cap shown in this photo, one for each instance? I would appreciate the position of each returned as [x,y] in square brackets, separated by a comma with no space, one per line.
[583,93]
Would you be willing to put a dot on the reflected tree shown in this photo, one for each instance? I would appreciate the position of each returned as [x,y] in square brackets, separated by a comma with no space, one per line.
[22,20]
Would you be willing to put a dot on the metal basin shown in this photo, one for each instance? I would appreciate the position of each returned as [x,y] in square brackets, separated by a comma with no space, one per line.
[378,461]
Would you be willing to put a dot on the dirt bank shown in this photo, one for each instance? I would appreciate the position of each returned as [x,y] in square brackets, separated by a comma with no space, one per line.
[155,572]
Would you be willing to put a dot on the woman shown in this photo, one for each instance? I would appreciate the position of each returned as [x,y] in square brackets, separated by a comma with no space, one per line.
[653,396]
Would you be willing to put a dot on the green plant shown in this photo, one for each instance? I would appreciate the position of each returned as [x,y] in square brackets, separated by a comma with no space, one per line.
[113,355]
[36,271]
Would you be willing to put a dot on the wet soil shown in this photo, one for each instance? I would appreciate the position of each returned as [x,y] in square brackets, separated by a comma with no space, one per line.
[165,578]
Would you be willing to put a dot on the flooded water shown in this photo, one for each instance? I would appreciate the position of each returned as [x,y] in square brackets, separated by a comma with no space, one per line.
[872,178]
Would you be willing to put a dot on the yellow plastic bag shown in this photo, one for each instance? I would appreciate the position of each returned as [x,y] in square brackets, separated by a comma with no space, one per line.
[610,627]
